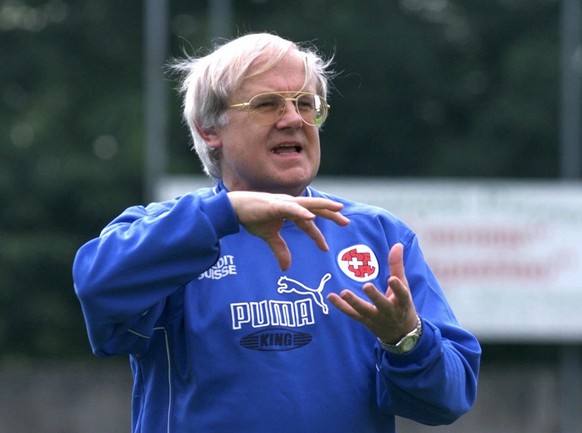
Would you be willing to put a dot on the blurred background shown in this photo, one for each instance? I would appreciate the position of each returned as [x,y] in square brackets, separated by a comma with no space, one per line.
[426,90]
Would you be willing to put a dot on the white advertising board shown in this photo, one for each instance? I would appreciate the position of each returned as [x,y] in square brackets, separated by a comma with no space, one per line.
[508,254]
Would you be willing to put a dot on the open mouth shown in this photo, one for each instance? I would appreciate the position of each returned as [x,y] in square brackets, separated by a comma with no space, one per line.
[286,149]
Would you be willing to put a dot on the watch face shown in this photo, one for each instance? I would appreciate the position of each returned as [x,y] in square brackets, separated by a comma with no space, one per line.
[409,343]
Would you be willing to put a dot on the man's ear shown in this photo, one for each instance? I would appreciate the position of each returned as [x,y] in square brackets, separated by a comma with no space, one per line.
[210,136]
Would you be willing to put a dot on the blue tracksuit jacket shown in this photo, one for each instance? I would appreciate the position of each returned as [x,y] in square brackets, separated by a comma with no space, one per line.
[221,340]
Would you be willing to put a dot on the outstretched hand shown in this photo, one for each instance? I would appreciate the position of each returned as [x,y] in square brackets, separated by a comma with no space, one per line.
[390,315]
[263,214]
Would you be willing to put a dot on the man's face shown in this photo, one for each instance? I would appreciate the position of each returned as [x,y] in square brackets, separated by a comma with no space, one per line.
[281,158]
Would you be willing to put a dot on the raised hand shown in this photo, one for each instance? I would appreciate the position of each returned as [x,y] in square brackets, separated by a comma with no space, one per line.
[263,214]
[389,315]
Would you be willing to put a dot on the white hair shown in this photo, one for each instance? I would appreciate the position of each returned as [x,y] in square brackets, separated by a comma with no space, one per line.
[208,82]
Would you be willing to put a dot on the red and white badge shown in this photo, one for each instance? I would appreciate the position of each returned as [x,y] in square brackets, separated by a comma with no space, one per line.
[358,262]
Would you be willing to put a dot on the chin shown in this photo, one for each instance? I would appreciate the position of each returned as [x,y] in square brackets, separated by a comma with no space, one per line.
[295,186]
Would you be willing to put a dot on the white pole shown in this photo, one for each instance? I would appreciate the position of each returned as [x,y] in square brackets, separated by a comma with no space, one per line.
[571,100]
[570,363]
[156,17]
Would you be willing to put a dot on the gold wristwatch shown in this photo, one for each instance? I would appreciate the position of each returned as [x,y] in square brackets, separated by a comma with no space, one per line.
[406,343]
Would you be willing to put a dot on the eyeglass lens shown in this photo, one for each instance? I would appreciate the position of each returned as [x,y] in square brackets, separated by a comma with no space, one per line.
[270,107]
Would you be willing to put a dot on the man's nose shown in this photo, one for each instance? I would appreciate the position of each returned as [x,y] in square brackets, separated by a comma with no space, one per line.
[291,116]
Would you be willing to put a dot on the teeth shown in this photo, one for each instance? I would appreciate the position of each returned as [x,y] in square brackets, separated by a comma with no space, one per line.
[284,146]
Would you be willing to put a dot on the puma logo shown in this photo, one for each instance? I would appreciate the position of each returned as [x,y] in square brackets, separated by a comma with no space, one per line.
[289,285]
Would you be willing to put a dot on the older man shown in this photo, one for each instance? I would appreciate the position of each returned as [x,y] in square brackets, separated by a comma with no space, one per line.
[222,297]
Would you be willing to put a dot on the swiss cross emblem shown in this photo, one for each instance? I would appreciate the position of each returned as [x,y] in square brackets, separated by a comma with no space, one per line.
[358,262]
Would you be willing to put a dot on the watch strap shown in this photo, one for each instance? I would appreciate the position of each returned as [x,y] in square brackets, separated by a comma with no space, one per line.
[406,343]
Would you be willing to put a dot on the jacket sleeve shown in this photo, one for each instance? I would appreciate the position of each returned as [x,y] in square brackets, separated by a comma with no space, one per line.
[436,382]
[124,277]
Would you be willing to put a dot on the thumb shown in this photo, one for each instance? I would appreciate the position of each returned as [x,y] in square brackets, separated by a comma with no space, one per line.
[396,262]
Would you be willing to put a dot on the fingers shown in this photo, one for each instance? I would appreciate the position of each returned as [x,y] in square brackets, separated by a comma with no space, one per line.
[334,216]
[324,208]
[397,283]
[292,211]
[389,319]
[364,312]
[313,232]
[396,261]
[252,207]
[397,290]
[354,306]
[388,315]
[263,215]
[343,302]
[260,208]
[318,203]
[303,219]
[279,248]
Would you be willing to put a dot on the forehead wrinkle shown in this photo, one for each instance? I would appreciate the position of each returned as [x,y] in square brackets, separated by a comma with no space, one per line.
[277,82]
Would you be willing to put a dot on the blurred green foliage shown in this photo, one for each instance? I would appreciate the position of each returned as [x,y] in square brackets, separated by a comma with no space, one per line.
[424,88]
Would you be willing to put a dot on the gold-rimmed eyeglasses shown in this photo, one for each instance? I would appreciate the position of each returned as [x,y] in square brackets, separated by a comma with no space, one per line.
[268,108]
